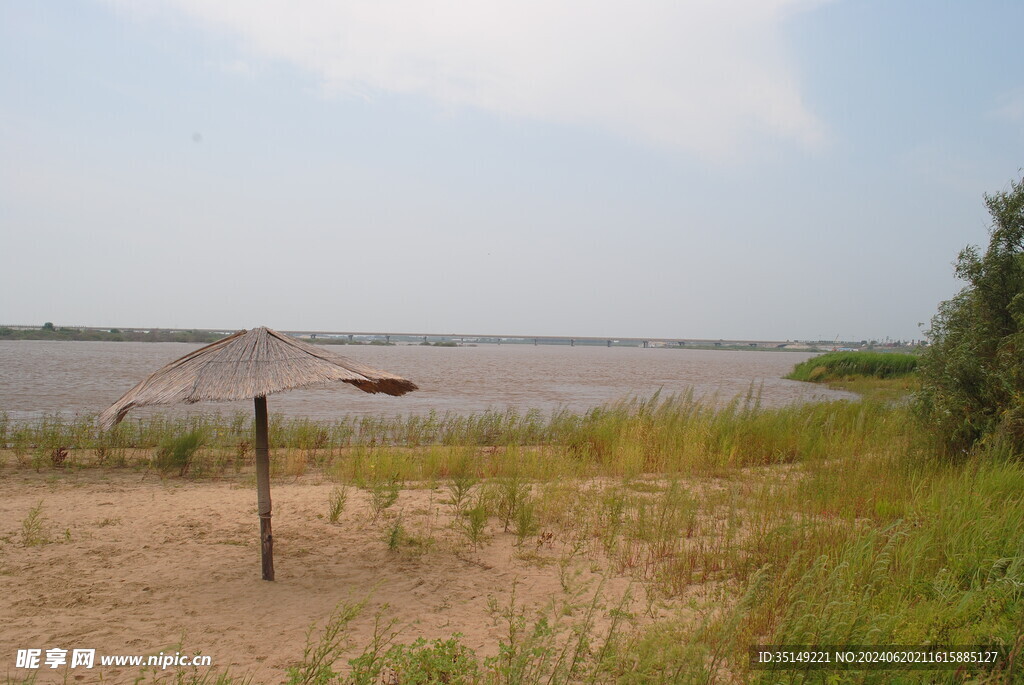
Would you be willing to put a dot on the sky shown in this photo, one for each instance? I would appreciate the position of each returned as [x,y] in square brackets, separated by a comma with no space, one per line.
[741,169]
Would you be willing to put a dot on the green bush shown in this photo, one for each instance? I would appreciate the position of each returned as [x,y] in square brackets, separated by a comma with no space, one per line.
[443,661]
[973,374]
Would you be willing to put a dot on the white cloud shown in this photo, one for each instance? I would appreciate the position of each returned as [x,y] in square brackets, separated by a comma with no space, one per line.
[702,75]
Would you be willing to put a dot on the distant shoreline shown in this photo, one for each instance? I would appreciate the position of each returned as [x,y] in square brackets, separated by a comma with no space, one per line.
[205,337]
[88,334]
[108,335]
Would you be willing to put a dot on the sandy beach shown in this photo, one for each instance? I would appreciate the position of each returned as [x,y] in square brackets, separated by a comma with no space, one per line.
[134,564]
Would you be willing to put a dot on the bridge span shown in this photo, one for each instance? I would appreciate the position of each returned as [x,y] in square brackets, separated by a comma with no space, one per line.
[570,340]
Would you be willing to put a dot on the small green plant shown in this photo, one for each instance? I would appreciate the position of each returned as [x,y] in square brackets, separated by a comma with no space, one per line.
[396,535]
[39,458]
[33,528]
[318,658]
[525,524]
[339,496]
[511,493]
[383,494]
[459,490]
[369,668]
[422,663]
[552,648]
[176,453]
[473,521]
[107,445]
[20,440]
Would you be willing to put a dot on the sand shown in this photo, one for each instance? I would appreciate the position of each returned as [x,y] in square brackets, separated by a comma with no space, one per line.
[136,564]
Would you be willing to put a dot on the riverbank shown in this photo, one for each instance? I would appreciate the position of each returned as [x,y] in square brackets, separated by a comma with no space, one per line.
[653,540]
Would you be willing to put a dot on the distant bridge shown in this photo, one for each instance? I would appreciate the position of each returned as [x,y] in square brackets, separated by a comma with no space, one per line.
[571,341]
[492,339]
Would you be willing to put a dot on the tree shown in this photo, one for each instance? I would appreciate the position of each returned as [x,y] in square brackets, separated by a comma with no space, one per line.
[973,374]
[48,326]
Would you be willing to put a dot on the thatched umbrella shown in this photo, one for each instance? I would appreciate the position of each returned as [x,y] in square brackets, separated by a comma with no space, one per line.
[252,364]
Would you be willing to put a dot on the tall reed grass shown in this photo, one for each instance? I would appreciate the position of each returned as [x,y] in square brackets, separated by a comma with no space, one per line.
[662,434]
[840,365]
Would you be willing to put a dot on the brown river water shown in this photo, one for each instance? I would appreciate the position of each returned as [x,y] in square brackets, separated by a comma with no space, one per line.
[81,378]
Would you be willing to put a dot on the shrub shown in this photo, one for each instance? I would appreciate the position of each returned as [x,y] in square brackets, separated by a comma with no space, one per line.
[442,661]
[973,373]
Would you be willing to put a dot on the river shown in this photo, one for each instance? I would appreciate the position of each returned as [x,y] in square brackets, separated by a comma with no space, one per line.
[80,378]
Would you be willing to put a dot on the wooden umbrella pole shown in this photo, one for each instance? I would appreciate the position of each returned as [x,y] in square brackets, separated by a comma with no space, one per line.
[263,488]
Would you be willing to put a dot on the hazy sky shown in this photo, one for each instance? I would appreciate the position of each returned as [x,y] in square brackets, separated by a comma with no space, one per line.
[781,169]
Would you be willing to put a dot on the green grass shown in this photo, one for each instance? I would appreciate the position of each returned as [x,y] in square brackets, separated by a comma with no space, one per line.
[834,366]
[934,556]
[896,389]
[176,453]
[941,563]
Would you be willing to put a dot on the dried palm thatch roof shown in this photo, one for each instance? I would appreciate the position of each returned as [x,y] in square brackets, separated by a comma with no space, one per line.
[249,364]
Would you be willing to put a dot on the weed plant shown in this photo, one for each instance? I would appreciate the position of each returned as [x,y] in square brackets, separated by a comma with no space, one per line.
[34,531]
[473,521]
[319,656]
[336,503]
[383,494]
